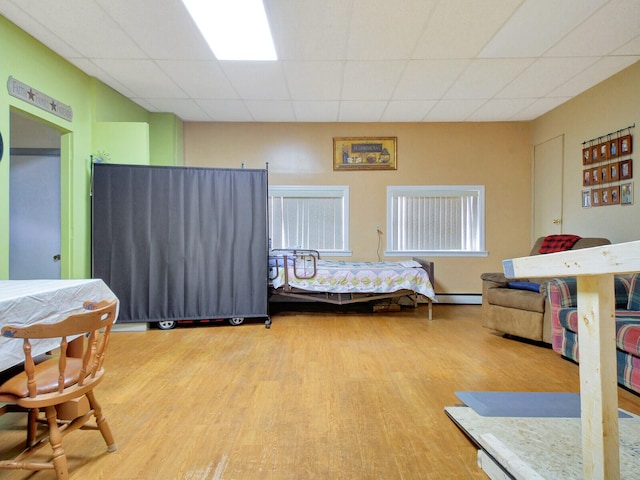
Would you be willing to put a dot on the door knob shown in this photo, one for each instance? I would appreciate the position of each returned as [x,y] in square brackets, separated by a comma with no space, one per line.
[557,221]
[56,258]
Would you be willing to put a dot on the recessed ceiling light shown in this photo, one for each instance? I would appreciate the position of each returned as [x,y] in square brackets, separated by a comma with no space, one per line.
[234,29]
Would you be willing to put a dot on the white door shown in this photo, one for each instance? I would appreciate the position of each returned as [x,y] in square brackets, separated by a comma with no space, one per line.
[34,214]
[548,159]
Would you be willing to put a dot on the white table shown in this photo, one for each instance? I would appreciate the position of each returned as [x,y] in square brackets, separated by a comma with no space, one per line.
[25,302]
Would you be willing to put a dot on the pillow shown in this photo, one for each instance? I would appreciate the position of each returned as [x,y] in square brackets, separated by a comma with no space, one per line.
[634,294]
[531,286]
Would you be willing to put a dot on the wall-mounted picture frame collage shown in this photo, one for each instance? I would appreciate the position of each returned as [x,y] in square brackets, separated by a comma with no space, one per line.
[608,169]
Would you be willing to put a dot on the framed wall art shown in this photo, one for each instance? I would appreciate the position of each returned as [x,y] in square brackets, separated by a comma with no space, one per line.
[586,198]
[625,145]
[613,148]
[614,195]
[365,153]
[614,170]
[626,169]
[602,152]
[626,193]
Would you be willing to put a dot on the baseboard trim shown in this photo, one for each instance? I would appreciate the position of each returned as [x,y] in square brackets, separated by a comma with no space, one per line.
[460,298]
[130,327]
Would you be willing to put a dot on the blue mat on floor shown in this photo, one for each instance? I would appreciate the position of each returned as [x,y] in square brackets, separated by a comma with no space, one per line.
[525,404]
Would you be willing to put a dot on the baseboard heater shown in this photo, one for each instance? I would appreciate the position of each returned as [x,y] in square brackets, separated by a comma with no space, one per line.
[459,298]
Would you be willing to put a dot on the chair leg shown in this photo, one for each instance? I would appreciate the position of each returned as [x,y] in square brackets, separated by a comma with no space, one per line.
[101,422]
[32,426]
[55,438]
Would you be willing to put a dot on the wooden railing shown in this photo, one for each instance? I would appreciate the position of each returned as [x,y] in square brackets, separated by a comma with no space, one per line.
[594,269]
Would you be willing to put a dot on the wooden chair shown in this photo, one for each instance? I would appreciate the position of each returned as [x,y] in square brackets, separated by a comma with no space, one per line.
[62,385]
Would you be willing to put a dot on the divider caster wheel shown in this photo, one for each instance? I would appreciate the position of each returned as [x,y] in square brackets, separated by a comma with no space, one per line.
[167,324]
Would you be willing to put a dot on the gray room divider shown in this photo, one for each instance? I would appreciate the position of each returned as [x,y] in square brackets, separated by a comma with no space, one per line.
[181,243]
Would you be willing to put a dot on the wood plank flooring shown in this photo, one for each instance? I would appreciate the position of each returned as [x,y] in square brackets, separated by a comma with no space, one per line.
[317,396]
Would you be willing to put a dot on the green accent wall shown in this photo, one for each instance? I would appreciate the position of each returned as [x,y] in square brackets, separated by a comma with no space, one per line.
[103,121]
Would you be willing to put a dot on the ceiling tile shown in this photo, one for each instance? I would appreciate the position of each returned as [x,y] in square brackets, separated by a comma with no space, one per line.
[497,110]
[314,111]
[537,108]
[271,110]
[364,111]
[20,17]
[594,74]
[314,80]
[613,25]
[372,80]
[537,25]
[199,79]
[257,80]
[167,33]
[391,33]
[428,79]
[183,108]
[144,78]
[455,31]
[309,30]
[453,110]
[407,110]
[544,76]
[630,48]
[88,29]
[485,77]
[226,110]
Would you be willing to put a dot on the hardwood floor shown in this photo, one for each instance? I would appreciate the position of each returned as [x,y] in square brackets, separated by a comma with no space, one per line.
[317,396]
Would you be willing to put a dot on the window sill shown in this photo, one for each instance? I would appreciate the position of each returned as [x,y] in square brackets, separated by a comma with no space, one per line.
[435,253]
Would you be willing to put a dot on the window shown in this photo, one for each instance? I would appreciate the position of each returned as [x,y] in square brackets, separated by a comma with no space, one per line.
[310,217]
[438,220]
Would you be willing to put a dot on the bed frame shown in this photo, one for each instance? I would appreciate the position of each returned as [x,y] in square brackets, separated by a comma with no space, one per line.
[309,258]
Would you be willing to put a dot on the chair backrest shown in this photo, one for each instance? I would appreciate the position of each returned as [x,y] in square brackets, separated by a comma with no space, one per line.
[95,324]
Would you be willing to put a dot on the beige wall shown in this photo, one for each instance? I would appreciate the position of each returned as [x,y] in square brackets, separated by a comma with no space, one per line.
[605,108]
[496,155]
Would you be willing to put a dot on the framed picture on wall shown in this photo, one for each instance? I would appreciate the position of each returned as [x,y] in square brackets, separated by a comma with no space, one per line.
[586,155]
[604,174]
[613,148]
[614,171]
[595,197]
[614,195]
[365,153]
[626,169]
[625,147]
[586,198]
[586,177]
[626,193]
[595,176]
[603,148]
[594,154]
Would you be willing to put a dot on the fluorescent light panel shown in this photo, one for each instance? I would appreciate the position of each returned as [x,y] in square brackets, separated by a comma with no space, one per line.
[234,29]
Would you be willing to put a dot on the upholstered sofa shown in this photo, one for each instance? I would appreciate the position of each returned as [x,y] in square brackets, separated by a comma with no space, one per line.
[562,294]
[519,307]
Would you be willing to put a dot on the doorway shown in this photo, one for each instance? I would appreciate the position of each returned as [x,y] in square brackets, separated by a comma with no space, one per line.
[548,163]
[34,200]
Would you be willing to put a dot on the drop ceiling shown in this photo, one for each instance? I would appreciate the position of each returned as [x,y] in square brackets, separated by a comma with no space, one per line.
[348,60]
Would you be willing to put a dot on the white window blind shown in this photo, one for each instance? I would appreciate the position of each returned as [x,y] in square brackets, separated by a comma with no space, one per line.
[435,219]
[314,217]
